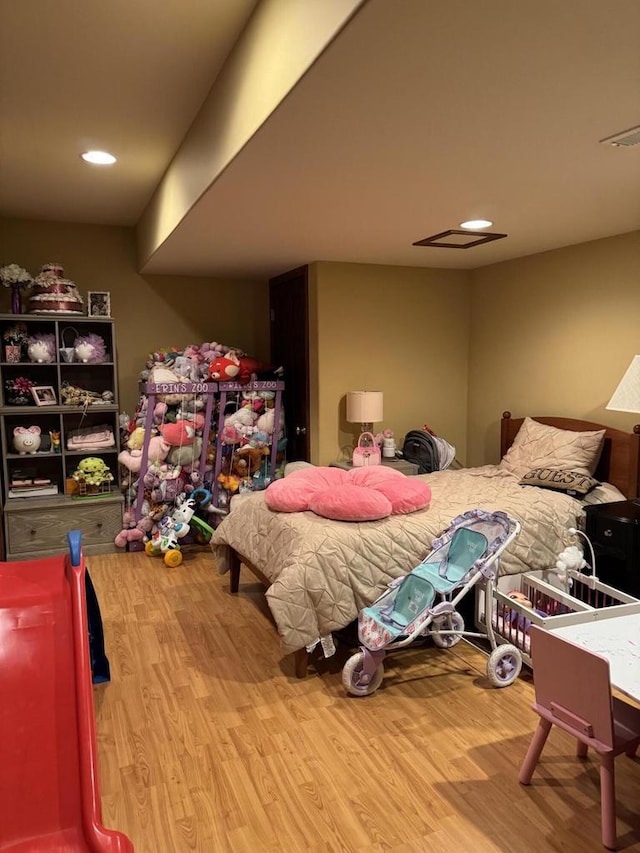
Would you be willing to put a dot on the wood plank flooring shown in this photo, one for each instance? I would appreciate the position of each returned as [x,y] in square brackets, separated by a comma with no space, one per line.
[208,742]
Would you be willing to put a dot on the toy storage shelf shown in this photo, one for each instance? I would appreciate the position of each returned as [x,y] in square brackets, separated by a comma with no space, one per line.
[35,523]
[216,396]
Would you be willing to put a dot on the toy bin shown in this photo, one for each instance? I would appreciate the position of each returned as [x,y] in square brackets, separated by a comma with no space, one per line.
[554,603]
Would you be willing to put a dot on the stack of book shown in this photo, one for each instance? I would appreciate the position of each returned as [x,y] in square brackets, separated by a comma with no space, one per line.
[32,488]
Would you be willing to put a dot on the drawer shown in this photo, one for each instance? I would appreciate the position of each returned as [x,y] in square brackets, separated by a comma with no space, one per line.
[46,529]
[612,533]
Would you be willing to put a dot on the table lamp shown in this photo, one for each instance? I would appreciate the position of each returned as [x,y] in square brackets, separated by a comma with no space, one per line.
[364,408]
[626,397]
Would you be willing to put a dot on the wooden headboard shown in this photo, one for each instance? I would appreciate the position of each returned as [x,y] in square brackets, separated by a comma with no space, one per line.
[620,459]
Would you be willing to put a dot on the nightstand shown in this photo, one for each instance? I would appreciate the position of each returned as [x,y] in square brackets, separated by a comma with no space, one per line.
[408,468]
[614,531]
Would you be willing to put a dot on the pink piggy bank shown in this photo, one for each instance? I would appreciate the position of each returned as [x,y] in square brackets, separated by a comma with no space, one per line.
[26,440]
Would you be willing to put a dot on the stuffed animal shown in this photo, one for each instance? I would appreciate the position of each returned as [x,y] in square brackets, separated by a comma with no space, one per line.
[185,368]
[229,482]
[157,452]
[248,460]
[136,439]
[224,369]
[191,410]
[266,422]
[161,375]
[163,482]
[238,426]
[178,434]
[570,558]
[259,439]
[185,455]
[131,531]
[240,467]
[235,368]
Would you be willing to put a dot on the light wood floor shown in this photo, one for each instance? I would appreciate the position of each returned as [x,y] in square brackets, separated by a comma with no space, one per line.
[208,742]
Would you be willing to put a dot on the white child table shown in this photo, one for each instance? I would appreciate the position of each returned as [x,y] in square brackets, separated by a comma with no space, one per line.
[617,639]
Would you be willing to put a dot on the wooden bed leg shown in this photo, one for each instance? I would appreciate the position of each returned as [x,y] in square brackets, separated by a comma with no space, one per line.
[301,657]
[234,572]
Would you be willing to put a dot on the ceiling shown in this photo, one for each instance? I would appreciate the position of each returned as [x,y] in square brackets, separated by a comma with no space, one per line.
[419,114]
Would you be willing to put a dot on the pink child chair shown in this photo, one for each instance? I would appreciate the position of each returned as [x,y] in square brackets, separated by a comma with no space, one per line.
[573,692]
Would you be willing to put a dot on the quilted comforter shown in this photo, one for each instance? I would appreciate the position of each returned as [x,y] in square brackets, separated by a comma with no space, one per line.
[323,572]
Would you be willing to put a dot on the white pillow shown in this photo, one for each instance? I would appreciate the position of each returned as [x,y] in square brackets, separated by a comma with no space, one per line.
[540,446]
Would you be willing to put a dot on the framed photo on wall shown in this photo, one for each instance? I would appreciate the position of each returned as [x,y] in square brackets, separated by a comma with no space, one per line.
[99,303]
[44,395]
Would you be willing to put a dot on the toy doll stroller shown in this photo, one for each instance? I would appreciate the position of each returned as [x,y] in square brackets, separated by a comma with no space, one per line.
[467,553]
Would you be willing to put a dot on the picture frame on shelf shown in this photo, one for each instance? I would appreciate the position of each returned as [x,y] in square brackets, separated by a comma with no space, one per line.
[44,395]
[99,303]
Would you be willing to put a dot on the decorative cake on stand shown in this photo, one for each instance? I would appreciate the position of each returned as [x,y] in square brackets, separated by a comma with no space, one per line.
[53,294]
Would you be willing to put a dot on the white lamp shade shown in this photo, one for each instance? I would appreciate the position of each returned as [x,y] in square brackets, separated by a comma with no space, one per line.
[364,407]
[626,397]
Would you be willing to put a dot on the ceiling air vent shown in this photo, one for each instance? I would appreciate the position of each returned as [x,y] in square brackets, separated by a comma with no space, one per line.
[454,239]
[623,140]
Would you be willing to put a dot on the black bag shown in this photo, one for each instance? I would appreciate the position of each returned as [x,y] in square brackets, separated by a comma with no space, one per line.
[420,448]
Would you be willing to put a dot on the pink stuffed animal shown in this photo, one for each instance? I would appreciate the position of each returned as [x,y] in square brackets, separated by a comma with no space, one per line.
[133,532]
[178,434]
[158,452]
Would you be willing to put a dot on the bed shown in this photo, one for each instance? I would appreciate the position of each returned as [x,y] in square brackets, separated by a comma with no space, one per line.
[319,573]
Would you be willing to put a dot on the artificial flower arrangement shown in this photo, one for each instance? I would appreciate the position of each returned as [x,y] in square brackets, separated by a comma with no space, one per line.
[12,275]
[17,278]
[15,342]
[18,391]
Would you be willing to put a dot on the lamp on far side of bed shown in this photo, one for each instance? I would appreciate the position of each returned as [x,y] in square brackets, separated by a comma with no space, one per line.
[626,397]
[364,408]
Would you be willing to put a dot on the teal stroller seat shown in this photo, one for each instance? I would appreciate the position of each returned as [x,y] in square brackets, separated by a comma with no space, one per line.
[440,573]
[423,602]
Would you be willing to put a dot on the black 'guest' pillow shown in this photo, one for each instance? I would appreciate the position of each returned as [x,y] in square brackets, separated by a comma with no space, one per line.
[561,480]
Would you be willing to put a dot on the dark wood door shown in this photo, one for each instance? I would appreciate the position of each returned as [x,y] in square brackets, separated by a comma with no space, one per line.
[289,312]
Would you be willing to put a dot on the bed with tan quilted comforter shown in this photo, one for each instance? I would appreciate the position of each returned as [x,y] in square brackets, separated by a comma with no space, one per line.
[321,572]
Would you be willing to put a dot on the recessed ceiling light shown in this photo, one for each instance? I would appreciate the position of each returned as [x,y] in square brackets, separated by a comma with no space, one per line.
[98,158]
[474,224]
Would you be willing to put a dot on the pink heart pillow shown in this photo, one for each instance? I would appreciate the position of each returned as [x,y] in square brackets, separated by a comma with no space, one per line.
[361,494]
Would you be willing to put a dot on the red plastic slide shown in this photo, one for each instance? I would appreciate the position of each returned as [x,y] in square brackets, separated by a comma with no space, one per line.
[49,786]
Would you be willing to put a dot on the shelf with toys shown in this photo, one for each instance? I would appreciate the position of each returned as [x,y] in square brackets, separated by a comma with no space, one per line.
[197,439]
[58,408]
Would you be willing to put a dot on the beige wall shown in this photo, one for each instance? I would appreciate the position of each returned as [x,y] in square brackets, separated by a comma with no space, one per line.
[400,330]
[552,334]
[151,311]
[548,334]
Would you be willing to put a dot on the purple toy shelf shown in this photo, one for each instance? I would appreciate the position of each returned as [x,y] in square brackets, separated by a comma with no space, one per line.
[208,390]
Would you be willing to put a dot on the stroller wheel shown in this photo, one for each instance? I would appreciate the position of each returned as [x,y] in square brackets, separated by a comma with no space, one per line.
[351,673]
[450,622]
[504,665]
